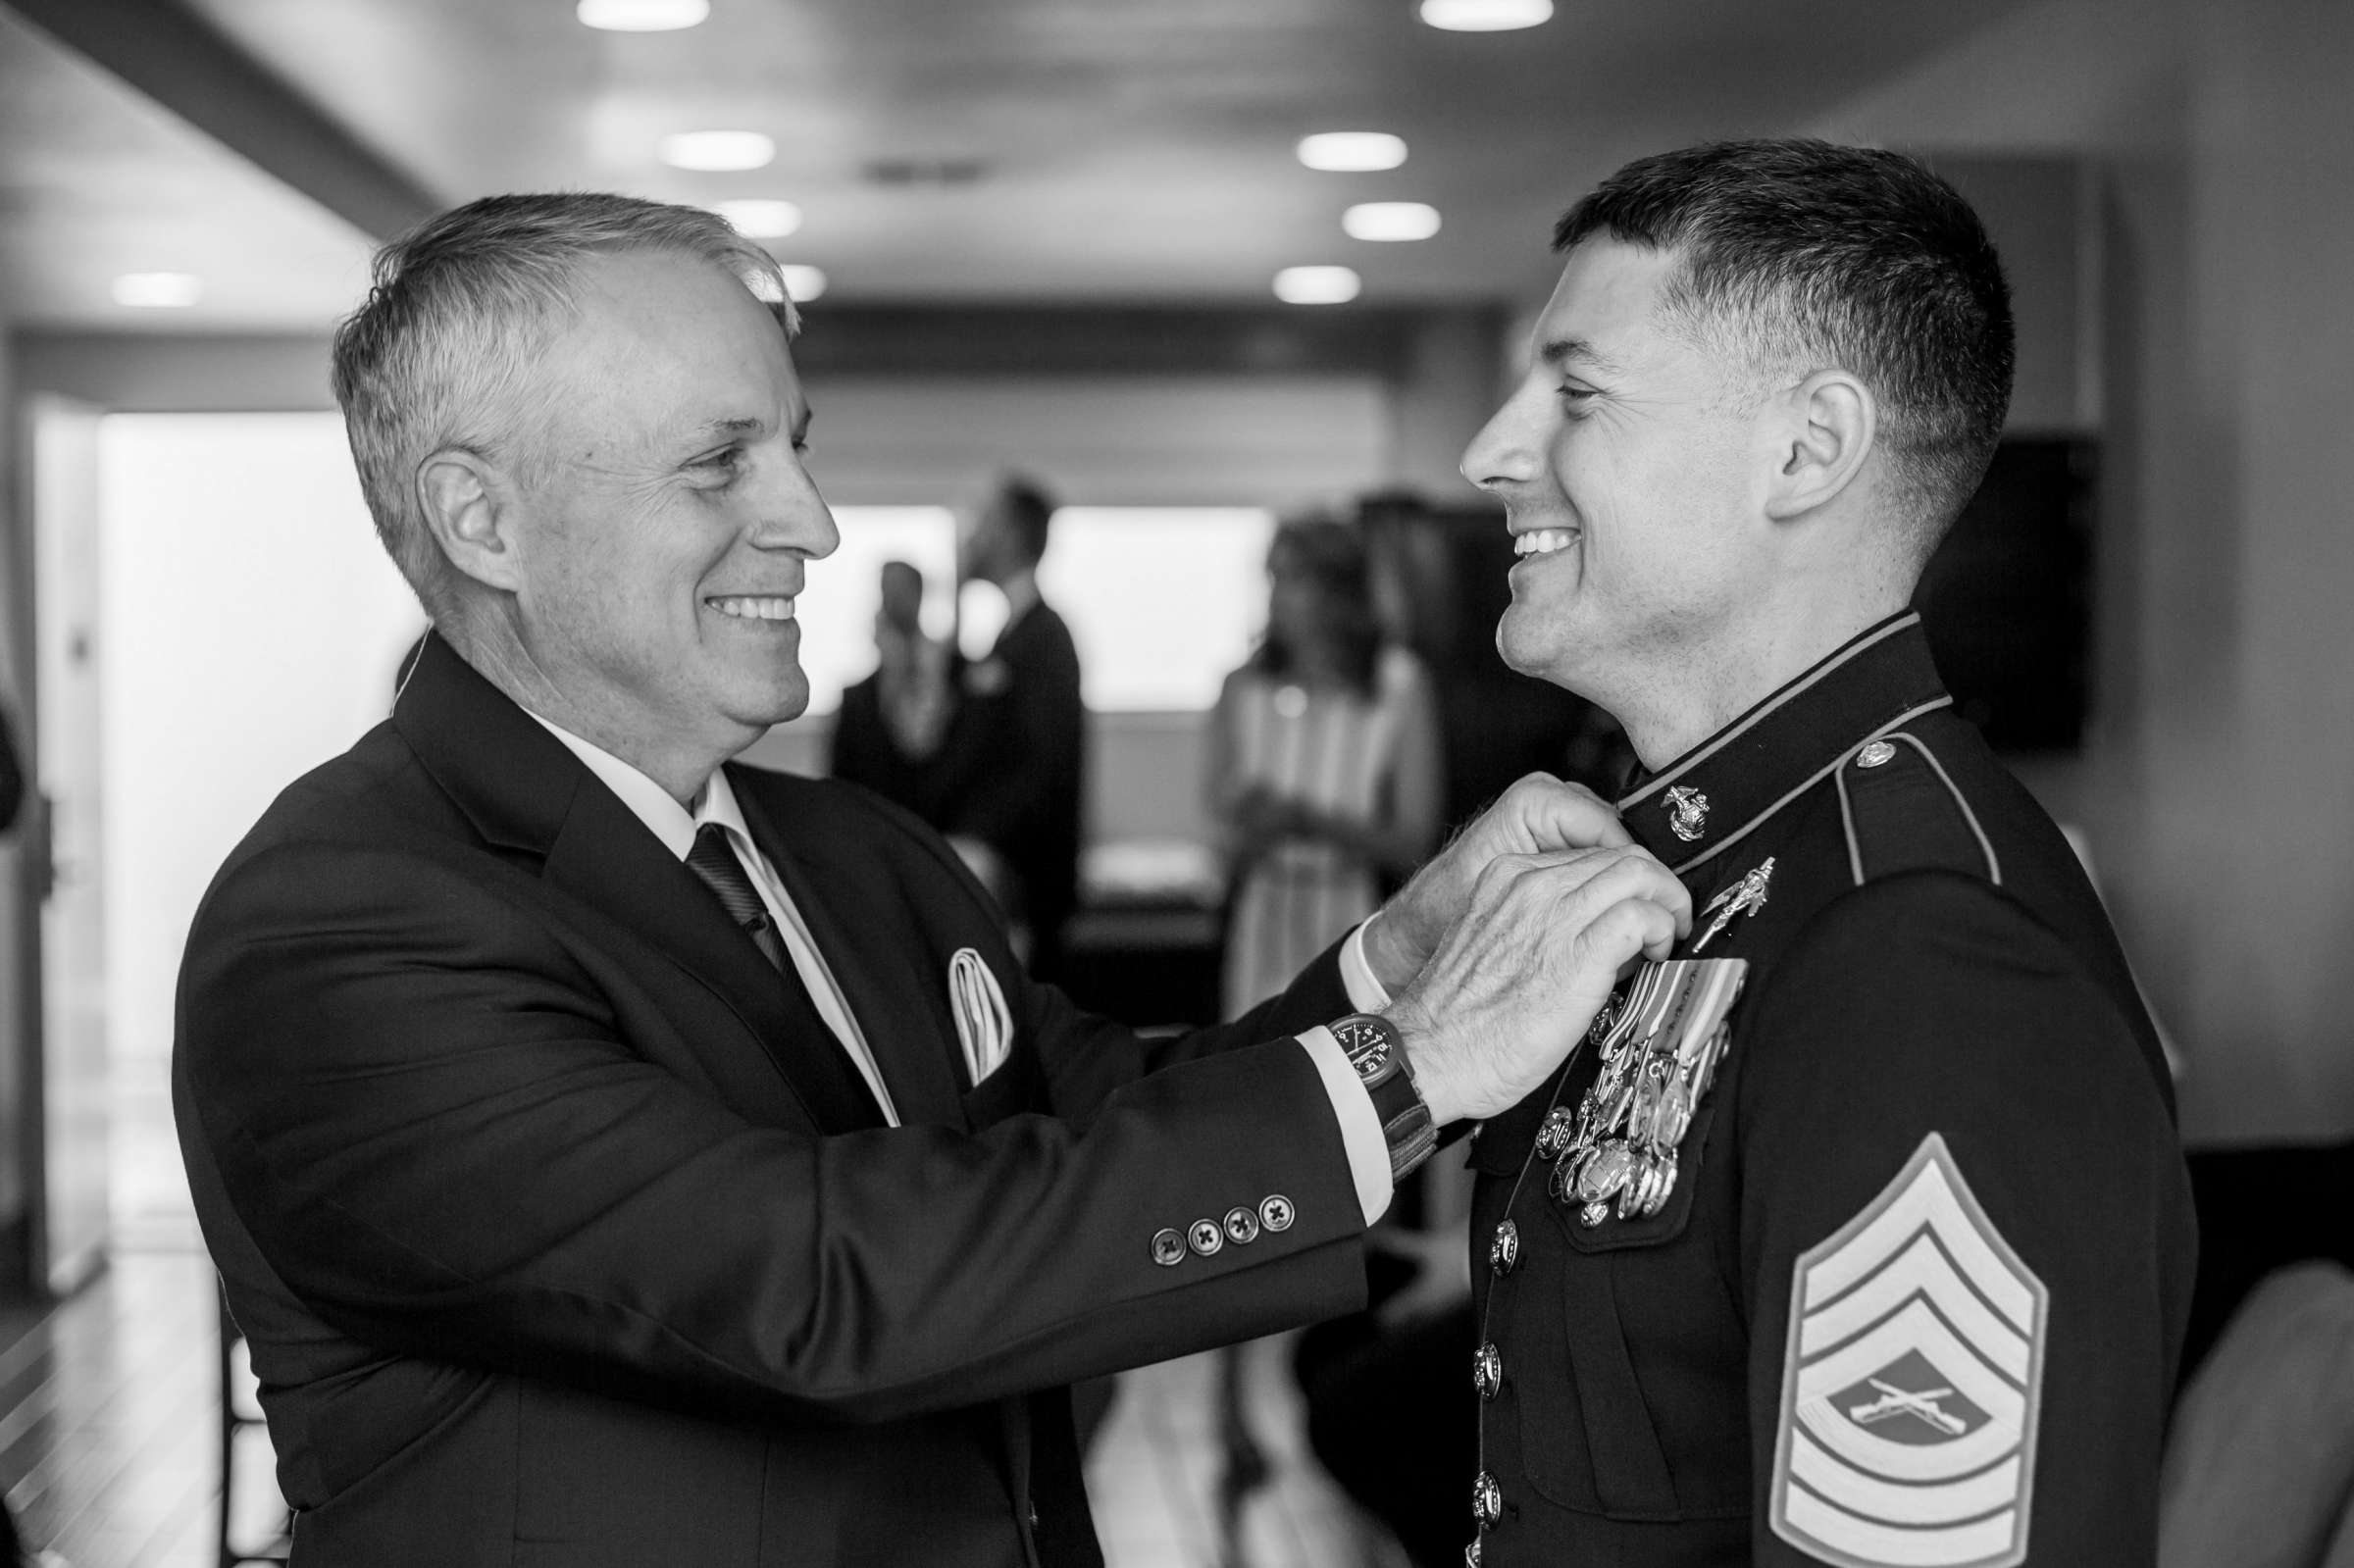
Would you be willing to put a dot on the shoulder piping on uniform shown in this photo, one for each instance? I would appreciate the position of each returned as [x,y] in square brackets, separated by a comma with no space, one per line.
[1780,699]
[1847,815]
[1827,770]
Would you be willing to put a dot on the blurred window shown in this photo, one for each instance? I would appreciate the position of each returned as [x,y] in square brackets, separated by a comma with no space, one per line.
[1162,600]
[837,607]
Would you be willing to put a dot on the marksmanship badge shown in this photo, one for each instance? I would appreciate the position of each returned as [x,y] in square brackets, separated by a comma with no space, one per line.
[1911,1383]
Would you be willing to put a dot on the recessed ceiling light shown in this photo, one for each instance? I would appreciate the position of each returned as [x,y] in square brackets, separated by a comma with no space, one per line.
[1351,151]
[1316,286]
[642,16]
[803,282]
[760,220]
[1390,220]
[1486,16]
[158,290]
[718,151]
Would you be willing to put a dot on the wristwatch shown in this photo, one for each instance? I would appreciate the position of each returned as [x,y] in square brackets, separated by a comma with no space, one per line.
[1378,1057]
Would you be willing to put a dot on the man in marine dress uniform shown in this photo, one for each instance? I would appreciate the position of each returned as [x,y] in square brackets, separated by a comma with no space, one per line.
[1862,1236]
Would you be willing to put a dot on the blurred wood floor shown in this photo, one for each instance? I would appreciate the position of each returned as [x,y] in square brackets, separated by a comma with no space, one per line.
[109,1439]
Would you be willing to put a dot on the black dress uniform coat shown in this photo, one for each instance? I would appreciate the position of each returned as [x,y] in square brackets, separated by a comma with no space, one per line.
[1917,1293]
[565,1234]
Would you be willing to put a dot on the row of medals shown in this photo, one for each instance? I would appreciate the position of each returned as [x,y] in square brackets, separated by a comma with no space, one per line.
[1620,1147]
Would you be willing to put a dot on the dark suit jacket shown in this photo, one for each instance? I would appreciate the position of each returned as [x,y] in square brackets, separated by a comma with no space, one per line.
[1012,770]
[563,1233]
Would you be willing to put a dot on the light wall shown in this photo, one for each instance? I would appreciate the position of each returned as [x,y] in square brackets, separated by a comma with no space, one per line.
[2218,785]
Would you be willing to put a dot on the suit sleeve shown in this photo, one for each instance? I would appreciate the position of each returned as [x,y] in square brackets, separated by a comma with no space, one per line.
[1962,1202]
[439,1135]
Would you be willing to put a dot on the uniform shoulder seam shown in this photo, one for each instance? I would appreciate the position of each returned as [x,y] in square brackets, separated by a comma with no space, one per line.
[1960,803]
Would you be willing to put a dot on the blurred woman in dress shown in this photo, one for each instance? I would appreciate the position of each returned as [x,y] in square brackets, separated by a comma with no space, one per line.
[1323,763]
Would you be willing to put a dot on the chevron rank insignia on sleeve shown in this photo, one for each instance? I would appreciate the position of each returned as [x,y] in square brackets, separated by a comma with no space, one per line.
[1911,1383]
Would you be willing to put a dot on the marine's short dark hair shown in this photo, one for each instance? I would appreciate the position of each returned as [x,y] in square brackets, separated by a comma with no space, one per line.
[1029,507]
[1799,256]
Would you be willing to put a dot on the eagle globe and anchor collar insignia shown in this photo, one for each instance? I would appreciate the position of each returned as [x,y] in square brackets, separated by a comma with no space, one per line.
[1911,1383]
[1658,1057]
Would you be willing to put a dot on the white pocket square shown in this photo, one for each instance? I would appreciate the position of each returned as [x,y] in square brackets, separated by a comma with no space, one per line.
[984,1022]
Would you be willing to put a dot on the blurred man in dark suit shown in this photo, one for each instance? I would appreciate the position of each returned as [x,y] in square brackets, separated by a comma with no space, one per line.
[891,722]
[1010,774]
[616,1155]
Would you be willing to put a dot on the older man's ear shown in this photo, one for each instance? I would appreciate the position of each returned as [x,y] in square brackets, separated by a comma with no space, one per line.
[468,510]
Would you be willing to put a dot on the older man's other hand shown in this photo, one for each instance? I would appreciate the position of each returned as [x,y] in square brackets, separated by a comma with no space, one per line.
[1537,815]
[1517,982]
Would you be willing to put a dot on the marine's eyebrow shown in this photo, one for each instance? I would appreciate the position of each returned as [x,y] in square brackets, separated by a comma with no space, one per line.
[1561,351]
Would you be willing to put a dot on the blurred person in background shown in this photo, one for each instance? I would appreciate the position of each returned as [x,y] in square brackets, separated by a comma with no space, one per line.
[1323,777]
[891,723]
[1008,783]
[1324,772]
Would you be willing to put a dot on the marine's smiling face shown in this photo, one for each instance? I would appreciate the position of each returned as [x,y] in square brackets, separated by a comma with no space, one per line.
[1629,467]
[669,526]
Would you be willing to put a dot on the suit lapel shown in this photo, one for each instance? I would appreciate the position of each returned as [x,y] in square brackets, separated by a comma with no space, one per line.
[608,859]
[868,942]
[525,793]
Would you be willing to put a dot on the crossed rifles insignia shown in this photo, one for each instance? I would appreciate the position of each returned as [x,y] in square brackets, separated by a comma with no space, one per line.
[1911,1383]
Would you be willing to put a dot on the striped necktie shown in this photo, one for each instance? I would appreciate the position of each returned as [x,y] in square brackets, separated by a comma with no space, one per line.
[714,861]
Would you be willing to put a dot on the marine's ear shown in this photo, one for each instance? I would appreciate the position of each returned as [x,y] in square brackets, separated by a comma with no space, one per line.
[1825,431]
[468,506]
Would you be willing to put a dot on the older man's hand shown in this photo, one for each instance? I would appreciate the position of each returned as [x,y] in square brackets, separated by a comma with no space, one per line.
[1518,979]
[1536,815]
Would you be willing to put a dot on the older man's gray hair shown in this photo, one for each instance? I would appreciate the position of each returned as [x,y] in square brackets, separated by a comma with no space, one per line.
[440,355]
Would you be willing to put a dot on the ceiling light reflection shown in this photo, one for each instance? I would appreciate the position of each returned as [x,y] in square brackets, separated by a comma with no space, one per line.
[1317,285]
[718,151]
[642,16]
[1351,151]
[760,220]
[1390,221]
[1486,16]
[158,290]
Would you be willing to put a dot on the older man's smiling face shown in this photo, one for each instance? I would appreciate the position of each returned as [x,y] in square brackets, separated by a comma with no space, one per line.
[1629,474]
[669,517]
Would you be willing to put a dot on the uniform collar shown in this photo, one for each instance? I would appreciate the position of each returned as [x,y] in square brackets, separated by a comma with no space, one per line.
[1718,792]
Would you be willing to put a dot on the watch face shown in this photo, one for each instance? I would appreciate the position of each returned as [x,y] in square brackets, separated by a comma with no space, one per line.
[1367,1045]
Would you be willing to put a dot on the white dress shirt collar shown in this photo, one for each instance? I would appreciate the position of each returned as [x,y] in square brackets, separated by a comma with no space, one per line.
[652,804]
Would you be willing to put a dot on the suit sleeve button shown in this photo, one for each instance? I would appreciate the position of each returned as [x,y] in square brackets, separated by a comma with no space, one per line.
[1168,1248]
[1275,1212]
[1242,1226]
[1205,1236]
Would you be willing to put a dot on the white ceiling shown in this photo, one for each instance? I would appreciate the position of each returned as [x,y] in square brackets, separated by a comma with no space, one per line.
[1133,149]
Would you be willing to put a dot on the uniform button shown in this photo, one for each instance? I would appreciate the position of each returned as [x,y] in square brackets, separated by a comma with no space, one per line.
[1205,1237]
[1503,1253]
[1487,1371]
[1242,1226]
[1168,1248]
[1873,755]
[1034,1517]
[1487,1501]
[1275,1212]
[1554,1137]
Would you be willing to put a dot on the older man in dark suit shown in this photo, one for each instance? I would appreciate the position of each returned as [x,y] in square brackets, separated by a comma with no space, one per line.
[616,1155]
